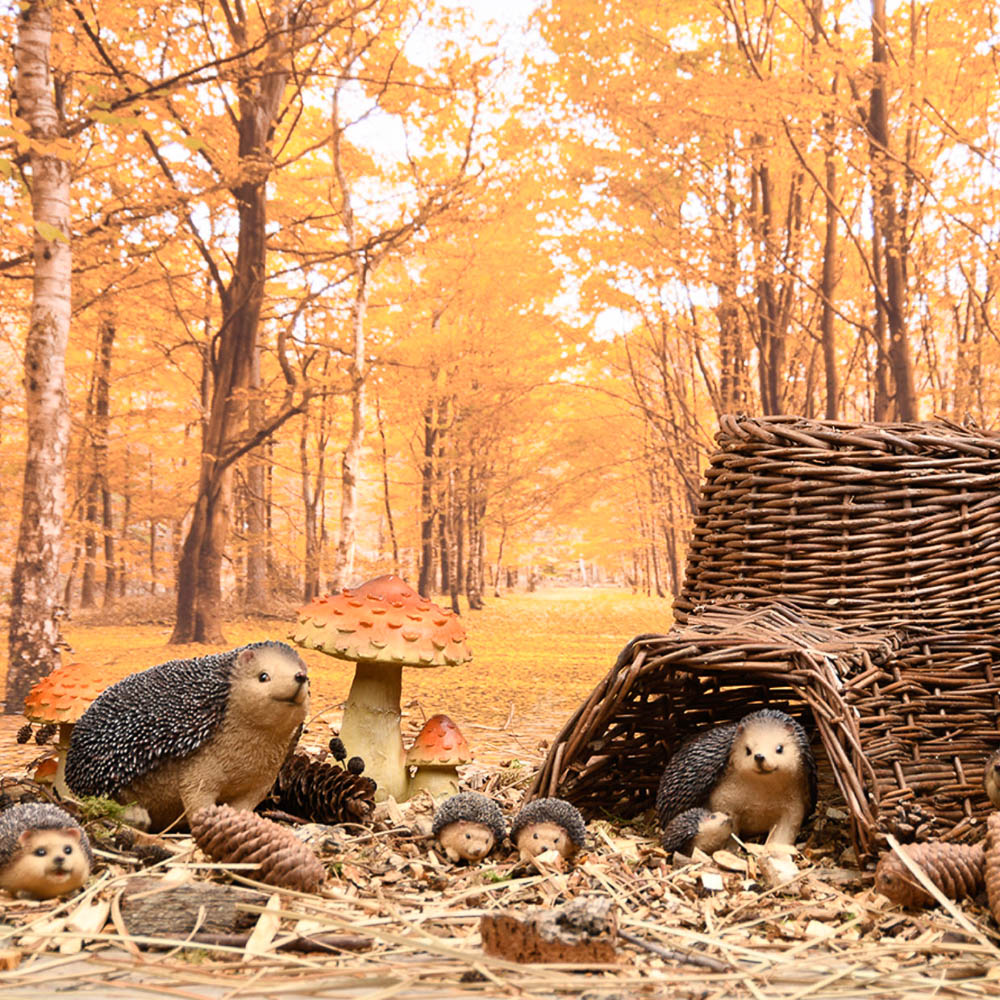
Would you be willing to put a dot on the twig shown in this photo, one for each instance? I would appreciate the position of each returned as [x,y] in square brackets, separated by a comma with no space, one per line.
[690,958]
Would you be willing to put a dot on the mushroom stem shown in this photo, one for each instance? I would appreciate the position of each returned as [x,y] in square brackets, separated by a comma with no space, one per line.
[59,783]
[439,781]
[370,729]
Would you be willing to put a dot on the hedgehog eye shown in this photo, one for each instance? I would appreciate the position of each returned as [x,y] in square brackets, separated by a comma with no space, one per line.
[748,751]
[535,835]
[779,748]
[263,677]
[40,852]
[67,849]
[468,836]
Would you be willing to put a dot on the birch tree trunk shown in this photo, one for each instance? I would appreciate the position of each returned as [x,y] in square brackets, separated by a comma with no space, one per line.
[34,635]
[343,563]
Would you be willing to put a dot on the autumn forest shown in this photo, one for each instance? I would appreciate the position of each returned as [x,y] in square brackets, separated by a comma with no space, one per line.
[296,292]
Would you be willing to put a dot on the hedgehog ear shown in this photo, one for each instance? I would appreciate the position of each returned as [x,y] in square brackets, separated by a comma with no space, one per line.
[72,832]
[25,837]
[245,657]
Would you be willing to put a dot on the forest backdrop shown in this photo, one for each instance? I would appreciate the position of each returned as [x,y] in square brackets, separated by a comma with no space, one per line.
[299,292]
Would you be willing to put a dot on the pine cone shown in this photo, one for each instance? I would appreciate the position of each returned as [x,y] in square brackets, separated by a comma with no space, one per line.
[956,869]
[992,864]
[44,733]
[323,793]
[24,733]
[337,748]
[228,835]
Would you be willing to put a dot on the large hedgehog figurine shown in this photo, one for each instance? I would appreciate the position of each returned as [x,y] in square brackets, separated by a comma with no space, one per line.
[192,733]
[468,826]
[43,851]
[759,771]
[548,825]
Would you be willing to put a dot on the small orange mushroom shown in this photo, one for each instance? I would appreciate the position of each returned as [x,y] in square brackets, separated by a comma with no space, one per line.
[382,626]
[436,754]
[61,698]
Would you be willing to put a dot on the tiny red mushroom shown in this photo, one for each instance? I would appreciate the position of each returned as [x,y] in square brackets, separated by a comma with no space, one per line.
[383,626]
[436,753]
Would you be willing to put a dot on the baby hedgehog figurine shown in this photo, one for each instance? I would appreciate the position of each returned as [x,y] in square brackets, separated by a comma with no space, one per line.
[991,779]
[468,826]
[192,733]
[548,825]
[43,851]
[701,828]
[759,771]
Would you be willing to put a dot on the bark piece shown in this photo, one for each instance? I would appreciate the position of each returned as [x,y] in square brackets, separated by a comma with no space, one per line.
[151,908]
[956,869]
[584,931]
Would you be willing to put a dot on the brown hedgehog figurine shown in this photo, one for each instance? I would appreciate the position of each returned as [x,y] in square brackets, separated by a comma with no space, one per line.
[192,733]
[548,825]
[468,826]
[991,779]
[760,771]
[43,851]
[701,828]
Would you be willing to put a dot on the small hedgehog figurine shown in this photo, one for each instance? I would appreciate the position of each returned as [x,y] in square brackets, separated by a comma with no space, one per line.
[468,826]
[991,778]
[43,851]
[759,771]
[192,733]
[701,828]
[548,825]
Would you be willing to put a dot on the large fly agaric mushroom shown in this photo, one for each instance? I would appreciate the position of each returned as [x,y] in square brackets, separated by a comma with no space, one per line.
[60,698]
[383,626]
[436,753]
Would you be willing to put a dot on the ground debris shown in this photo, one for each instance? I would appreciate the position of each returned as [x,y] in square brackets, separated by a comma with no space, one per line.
[583,931]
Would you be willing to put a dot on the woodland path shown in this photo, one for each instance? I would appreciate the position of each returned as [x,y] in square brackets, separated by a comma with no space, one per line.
[535,658]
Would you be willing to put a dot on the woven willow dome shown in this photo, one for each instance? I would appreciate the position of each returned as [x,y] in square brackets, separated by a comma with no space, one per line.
[848,574]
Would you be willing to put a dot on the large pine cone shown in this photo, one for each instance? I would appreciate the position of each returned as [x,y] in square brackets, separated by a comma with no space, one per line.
[323,793]
[956,869]
[992,864]
[228,835]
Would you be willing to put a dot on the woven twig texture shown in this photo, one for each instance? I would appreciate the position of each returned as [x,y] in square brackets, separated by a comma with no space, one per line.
[848,574]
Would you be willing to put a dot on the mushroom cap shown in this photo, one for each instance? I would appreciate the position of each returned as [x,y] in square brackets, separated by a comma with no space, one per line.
[439,744]
[384,621]
[66,693]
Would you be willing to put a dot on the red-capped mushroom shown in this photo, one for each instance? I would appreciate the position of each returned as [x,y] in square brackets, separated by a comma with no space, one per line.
[383,626]
[436,753]
[60,698]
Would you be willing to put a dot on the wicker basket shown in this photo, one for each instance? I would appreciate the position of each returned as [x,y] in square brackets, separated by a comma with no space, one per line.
[849,574]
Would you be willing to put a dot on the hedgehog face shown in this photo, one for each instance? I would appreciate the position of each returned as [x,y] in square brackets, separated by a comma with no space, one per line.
[270,684]
[51,862]
[536,838]
[465,840]
[763,746]
[714,832]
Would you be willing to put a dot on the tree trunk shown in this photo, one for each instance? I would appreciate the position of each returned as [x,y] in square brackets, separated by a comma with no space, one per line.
[385,489]
[343,566]
[891,300]
[34,636]
[199,583]
[427,512]
[257,591]
[830,279]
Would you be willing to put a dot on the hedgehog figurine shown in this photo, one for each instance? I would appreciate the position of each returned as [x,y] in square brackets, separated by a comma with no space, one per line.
[43,851]
[991,779]
[697,828]
[548,825]
[468,826]
[192,733]
[760,771]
